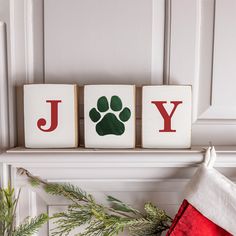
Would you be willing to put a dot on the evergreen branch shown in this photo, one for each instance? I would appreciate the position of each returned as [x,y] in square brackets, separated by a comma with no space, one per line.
[8,205]
[147,227]
[14,208]
[69,191]
[100,220]
[110,225]
[121,206]
[7,209]
[155,213]
[72,218]
[30,226]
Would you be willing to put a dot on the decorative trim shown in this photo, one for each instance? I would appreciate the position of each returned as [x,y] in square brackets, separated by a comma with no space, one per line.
[4,126]
[25,51]
[127,159]
[167,43]
[13,71]
[26,30]
[207,113]
[4,175]
[158,28]
[29,41]
[213,48]
[197,62]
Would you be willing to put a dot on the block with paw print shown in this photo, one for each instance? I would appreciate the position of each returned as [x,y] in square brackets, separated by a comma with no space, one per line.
[109,116]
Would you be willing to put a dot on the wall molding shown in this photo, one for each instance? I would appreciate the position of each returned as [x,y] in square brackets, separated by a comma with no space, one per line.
[192,55]
[5,174]
[29,40]
[210,112]
[4,125]
[139,174]
[130,158]
[158,38]
[167,43]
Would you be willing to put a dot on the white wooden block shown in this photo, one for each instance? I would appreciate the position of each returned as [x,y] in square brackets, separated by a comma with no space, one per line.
[50,116]
[109,116]
[166,116]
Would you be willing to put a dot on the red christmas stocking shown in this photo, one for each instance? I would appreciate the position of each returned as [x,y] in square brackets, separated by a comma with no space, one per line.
[209,208]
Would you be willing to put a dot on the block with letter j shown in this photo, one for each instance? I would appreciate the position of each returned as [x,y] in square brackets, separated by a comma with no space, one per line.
[166,116]
[50,116]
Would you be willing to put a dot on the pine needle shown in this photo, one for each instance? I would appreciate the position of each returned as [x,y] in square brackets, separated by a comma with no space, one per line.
[30,226]
[69,191]
[8,204]
[101,220]
[118,205]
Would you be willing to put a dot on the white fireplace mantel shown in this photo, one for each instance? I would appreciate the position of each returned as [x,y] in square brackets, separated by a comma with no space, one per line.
[181,42]
[119,158]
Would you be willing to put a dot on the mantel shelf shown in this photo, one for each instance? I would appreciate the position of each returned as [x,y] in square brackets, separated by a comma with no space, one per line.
[82,150]
[138,157]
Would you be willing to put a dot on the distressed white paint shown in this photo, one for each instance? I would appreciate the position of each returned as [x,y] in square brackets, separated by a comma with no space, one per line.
[117,137]
[36,108]
[156,133]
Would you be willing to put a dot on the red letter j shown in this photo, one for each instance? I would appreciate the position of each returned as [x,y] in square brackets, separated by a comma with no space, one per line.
[54,117]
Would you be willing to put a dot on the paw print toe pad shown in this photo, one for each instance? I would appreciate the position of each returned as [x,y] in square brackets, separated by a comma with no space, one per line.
[102,104]
[94,115]
[116,103]
[110,122]
[125,114]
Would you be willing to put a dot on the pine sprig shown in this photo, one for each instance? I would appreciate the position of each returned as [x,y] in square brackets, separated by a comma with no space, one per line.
[101,220]
[143,227]
[7,208]
[8,205]
[146,227]
[74,217]
[68,191]
[121,206]
[30,226]
[154,213]
[109,226]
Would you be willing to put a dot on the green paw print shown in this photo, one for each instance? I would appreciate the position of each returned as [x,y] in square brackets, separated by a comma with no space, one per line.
[109,123]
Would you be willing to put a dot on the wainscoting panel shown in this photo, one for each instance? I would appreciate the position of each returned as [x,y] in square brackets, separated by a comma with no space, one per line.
[139,42]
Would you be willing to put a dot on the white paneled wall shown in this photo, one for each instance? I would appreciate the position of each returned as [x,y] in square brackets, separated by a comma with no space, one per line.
[200,56]
[4,141]
[128,41]
[104,41]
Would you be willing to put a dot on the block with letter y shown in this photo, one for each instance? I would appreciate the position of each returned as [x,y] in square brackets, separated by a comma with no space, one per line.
[166,116]
[50,116]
